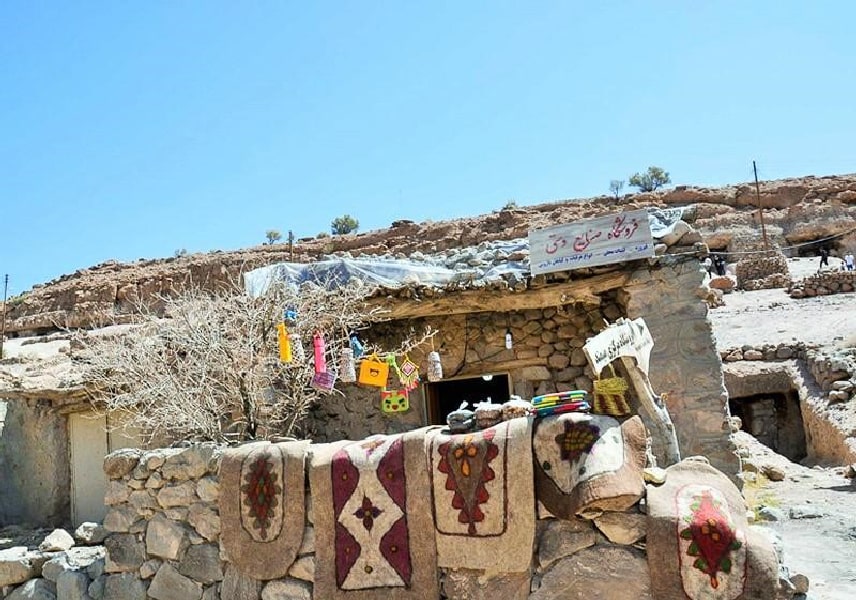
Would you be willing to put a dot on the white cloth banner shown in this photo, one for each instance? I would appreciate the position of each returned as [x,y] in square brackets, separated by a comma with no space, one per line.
[623,338]
[591,242]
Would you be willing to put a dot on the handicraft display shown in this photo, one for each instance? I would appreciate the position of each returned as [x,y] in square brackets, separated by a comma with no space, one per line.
[699,543]
[586,463]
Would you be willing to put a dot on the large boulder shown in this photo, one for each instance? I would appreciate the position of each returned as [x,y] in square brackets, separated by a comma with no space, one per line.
[602,571]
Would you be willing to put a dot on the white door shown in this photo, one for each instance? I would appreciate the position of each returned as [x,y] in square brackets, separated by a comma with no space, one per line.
[88,440]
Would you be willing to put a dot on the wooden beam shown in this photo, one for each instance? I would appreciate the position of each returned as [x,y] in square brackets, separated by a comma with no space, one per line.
[584,291]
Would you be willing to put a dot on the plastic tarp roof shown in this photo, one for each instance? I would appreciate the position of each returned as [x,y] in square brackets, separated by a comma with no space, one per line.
[397,273]
[337,271]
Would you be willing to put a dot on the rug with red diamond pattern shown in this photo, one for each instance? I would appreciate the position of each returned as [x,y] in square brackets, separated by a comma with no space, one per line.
[262,506]
[699,543]
[373,528]
[588,463]
[484,499]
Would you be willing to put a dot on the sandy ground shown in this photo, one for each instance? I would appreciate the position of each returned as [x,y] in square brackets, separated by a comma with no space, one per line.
[771,316]
[823,548]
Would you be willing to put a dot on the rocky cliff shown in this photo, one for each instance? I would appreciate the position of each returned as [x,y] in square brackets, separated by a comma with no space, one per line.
[796,211]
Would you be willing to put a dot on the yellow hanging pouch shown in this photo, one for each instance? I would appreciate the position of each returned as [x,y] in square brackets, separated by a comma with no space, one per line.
[373,371]
[284,343]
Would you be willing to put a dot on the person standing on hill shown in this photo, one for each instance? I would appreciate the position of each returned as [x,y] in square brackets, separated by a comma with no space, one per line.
[849,261]
[708,264]
[719,264]
[824,259]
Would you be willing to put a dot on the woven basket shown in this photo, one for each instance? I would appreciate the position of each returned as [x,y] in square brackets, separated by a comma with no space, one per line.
[609,397]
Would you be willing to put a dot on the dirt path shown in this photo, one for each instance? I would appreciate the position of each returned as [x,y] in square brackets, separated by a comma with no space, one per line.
[822,547]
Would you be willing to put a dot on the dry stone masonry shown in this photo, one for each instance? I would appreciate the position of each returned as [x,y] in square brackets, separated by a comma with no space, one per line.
[165,524]
[823,284]
[763,271]
[834,371]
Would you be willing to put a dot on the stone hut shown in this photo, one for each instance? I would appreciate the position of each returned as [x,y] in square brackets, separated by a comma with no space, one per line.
[547,317]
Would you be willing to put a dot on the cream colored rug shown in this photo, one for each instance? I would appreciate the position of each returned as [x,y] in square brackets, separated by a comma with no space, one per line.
[484,497]
[585,464]
[262,506]
[374,537]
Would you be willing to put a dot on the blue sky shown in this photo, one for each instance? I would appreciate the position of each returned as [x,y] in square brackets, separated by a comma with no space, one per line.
[131,130]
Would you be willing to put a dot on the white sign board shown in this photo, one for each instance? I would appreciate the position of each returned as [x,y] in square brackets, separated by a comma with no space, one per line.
[624,338]
[591,242]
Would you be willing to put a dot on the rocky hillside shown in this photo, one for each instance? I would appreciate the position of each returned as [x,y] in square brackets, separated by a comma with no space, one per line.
[796,211]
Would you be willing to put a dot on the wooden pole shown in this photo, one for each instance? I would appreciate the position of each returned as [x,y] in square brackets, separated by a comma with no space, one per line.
[3,326]
[760,208]
[655,415]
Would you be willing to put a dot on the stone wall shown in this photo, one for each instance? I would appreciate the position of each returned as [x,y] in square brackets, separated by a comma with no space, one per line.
[164,544]
[34,487]
[546,357]
[685,367]
[834,371]
[763,271]
[165,528]
[825,381]
[823,284]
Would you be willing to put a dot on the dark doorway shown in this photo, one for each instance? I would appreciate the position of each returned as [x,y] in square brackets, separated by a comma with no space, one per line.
[445,396]
[775,420]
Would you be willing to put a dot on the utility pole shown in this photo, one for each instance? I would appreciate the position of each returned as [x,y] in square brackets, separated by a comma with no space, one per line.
[291,245]
[3,325]
[760,208]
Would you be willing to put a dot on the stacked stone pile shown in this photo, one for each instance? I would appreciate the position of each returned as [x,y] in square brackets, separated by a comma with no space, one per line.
[763,271]
[767,352]
[833,370]
[823,284]
[835,373]
[61,567]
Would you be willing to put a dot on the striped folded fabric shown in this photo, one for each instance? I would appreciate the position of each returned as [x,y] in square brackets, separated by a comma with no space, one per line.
[559,398]
[556,409]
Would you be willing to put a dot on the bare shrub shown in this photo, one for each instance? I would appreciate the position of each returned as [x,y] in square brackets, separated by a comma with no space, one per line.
[209,368]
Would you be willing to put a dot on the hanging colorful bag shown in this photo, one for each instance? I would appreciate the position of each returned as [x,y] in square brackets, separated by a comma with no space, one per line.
[323,382]
[347,366]
[435,367]
[408,374]
[285,354]
[394,401]
[297,354]
[609,396]
[319,349]
[373,371]
[356,345]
